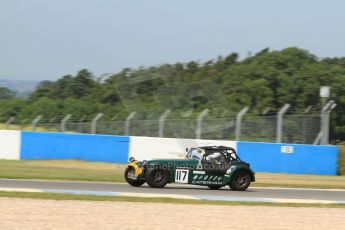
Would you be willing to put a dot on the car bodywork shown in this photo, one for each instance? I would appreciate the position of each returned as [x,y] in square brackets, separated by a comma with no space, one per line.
[212,166]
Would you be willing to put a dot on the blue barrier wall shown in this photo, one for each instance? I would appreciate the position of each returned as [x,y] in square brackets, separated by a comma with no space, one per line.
[44,146]
[305,159]
[263,157]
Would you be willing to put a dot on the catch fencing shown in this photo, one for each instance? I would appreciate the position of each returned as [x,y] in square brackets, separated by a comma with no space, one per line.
[290,128]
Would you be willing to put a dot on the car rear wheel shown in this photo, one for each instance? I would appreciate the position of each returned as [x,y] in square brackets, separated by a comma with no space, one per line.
[214,187]
[136,183]
[156,177]
[240,181]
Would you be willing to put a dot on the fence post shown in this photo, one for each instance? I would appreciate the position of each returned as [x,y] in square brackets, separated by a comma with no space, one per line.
[161,122]
[320,136]
[281,112]
[9,122]
[35,122]
[328,122]
[64,121]
[325,121]
[198,130]
[94,123]
[128,122]
[239,121]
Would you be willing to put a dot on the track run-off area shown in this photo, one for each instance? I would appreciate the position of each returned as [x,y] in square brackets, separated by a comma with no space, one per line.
[179,191]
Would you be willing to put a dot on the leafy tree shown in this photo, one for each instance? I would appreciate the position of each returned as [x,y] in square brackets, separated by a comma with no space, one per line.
[223,85]
[6,93]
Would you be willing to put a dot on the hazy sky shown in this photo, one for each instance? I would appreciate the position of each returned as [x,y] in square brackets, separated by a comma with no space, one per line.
[42,39]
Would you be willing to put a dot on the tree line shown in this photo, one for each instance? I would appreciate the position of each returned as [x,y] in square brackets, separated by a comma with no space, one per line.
[264,82]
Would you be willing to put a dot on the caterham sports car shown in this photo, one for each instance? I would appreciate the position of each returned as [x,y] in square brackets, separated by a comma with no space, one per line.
[212,166]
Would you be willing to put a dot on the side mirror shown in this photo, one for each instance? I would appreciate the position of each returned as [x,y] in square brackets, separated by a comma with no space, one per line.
[187,150]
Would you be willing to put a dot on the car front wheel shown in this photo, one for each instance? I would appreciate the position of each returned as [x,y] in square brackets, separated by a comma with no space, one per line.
[136,183]
[240,181]
[156,177]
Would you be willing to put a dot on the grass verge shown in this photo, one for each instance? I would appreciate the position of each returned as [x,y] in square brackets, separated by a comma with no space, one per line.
[299,181]
[61,170]
[56,196]
[107,172]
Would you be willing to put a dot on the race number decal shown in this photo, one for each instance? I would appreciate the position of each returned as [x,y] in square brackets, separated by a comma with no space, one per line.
[181,176]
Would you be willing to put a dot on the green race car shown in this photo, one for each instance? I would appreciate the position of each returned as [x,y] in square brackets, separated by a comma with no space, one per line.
[212,166]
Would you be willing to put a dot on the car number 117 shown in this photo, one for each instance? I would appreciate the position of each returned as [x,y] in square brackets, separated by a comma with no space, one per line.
[181,176]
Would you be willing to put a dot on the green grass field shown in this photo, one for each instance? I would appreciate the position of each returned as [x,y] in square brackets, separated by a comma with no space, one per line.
[61,170]
[57,196]
[91,171]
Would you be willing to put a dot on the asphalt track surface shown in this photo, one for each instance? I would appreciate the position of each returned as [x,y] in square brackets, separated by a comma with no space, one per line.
[179,189]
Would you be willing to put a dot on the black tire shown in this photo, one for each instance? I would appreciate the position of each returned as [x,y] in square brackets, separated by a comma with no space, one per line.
[156,177]
[214,187]
[135,183]
[240,181]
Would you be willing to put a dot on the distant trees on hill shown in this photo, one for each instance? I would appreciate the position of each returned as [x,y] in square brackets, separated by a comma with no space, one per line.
[269,79]
[6,93]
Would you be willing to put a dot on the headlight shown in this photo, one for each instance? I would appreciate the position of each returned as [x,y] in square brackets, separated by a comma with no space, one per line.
[131,159]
